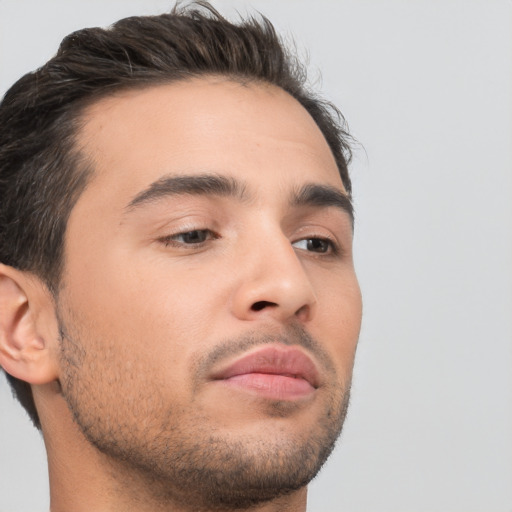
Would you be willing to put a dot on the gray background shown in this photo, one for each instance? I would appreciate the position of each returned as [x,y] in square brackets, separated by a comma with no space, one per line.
[426,88]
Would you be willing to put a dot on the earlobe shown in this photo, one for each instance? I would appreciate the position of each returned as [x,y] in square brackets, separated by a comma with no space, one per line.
[25,353]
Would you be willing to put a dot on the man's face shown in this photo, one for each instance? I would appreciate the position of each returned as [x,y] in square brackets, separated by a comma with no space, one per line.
[209,306]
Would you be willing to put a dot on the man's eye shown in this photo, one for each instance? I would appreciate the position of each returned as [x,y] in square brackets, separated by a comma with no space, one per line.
[195,236]
[320,245]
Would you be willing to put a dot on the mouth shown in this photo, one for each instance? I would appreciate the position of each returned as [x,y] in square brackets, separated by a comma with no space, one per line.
[274,372]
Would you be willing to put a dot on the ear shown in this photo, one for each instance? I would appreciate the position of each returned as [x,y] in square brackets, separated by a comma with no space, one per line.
[28,333]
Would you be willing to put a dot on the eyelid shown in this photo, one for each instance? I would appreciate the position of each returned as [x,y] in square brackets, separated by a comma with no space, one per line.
[169,240]
[335,246]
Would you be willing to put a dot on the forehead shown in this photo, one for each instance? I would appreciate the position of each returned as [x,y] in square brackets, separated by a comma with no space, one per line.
[248,131]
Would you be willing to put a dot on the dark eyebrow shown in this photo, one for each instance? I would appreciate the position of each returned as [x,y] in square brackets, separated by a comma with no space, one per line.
[324,196]
[197,184]
[218,185]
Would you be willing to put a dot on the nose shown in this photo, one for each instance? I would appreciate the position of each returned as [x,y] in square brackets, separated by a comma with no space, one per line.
[273,284]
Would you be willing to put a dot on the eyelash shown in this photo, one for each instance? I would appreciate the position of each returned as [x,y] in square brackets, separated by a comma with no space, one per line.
[333,248]
[170,240]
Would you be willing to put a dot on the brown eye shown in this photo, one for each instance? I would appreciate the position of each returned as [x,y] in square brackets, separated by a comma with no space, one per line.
[188,238]
[195,236]
[318,245]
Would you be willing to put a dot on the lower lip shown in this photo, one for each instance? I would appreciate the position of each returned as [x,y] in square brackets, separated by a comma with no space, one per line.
[275,387]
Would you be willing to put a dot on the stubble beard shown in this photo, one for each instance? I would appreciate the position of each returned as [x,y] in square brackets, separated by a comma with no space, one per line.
[183,460]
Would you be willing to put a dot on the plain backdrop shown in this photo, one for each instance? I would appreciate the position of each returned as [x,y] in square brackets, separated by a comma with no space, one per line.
[426,88]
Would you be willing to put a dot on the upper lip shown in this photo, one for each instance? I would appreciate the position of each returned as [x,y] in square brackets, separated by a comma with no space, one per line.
[275,360]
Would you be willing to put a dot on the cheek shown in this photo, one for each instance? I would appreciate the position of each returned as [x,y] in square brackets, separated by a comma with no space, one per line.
[338,324]
[157,318]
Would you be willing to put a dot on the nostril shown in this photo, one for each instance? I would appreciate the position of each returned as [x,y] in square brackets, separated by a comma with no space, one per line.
[262,304]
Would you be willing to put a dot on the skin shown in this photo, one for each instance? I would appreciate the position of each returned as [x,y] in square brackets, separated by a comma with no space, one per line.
[127,351]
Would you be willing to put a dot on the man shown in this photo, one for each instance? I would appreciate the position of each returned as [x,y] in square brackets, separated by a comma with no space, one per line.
[179,308]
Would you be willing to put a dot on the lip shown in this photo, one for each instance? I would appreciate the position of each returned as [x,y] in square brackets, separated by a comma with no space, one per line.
[274,371]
